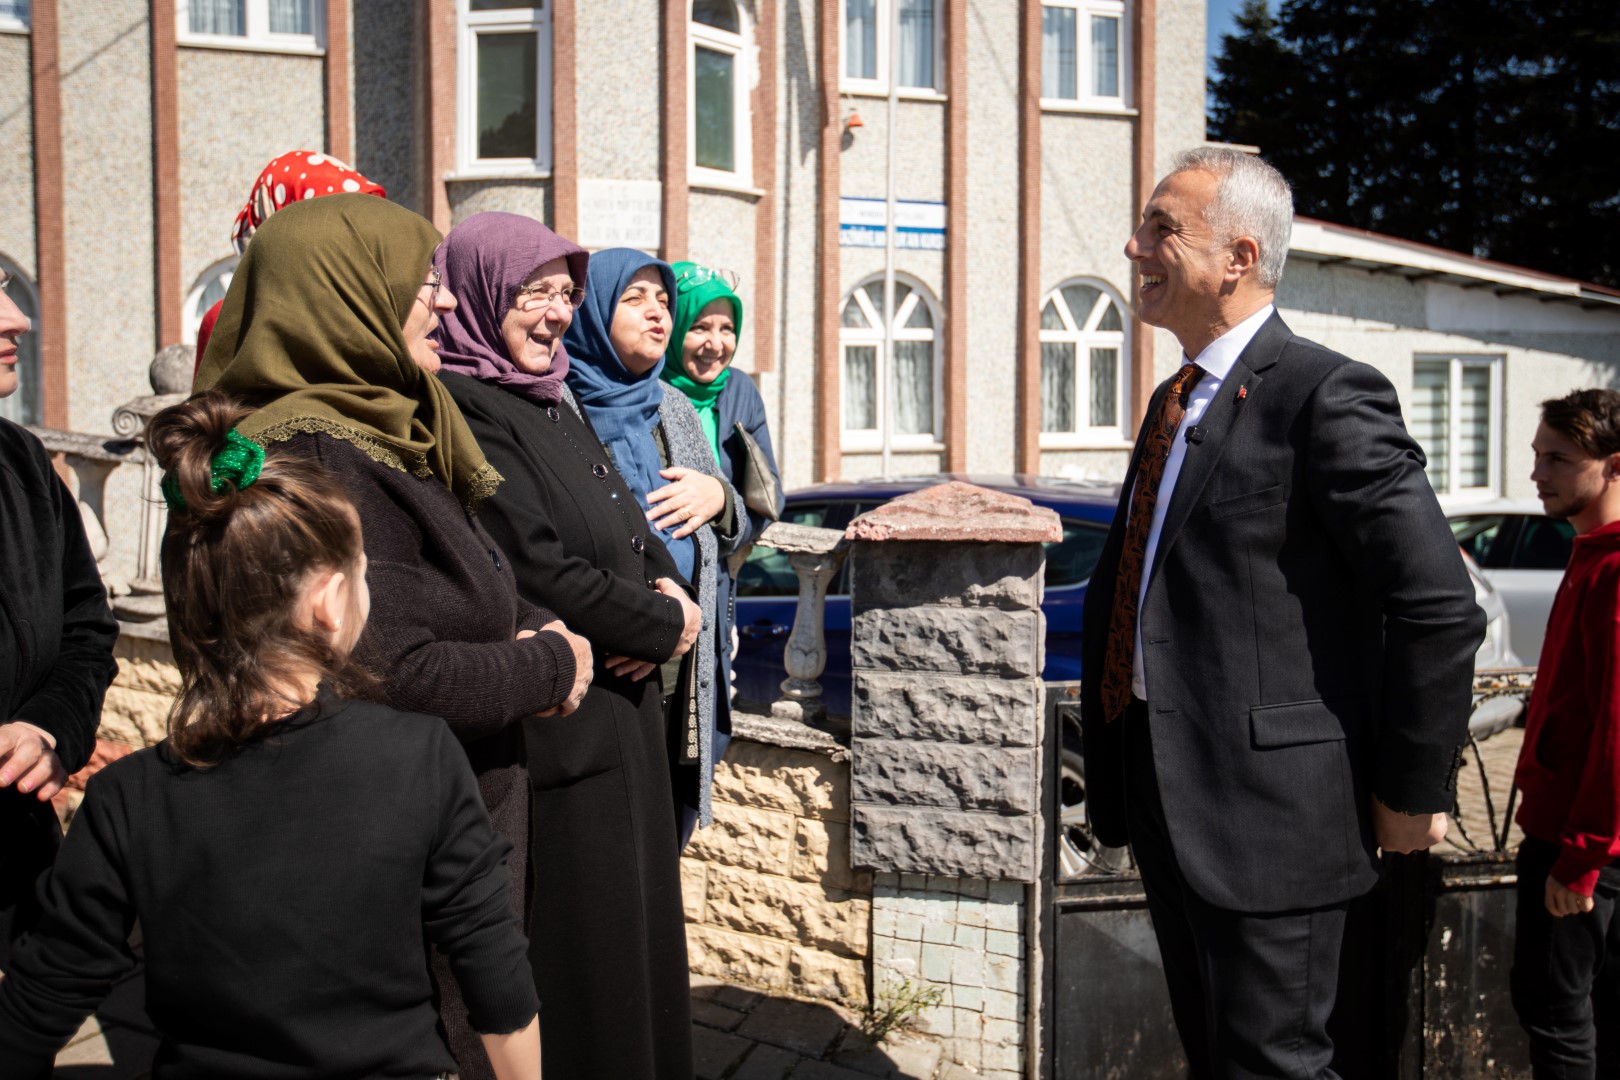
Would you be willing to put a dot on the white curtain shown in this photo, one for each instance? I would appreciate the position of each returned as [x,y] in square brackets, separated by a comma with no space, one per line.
[1105,56]
[1057,386]
[860,387]
[1104,387]
[917,43]
[219,17]
[291,17]
[1058,77]
[860,39]
[912,389]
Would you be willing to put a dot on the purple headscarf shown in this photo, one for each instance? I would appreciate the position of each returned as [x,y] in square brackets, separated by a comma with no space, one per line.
[484,260]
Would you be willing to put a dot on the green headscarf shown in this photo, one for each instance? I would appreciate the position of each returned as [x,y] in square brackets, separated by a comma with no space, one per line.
[311,336]
[690,300]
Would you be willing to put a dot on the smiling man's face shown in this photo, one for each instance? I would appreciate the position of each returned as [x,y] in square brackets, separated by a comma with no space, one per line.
[1181,262]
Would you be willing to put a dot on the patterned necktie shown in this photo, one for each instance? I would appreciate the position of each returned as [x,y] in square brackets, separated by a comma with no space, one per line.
[1117,659]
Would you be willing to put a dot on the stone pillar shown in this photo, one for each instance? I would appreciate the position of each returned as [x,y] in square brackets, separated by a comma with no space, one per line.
[946,652]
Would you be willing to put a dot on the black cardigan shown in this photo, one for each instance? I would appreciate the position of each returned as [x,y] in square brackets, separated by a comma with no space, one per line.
[283,896]
[56,640]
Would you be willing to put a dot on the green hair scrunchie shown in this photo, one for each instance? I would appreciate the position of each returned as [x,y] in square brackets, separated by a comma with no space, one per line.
[237,463]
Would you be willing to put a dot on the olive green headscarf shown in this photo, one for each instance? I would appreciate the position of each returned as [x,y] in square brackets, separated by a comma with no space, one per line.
[311,336]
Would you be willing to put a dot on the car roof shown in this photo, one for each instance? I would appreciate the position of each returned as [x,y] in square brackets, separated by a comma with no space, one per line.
[1045,490]
[1532,507]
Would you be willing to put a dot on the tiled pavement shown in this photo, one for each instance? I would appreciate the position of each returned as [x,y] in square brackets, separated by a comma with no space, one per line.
[737,1034]
[740,1034]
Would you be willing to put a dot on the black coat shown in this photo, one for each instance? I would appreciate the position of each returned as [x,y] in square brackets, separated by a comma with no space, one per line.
[56,640]
[607,929]
[1308,632]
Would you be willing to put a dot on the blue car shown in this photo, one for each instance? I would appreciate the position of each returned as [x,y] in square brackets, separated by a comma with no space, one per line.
[767,592]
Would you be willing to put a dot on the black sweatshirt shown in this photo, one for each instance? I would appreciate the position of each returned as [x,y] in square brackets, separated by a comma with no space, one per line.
[284,897]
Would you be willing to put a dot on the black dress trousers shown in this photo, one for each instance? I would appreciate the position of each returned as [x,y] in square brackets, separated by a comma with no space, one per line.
[1251,993]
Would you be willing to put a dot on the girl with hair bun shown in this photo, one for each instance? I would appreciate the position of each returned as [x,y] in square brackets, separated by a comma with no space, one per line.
[288,848]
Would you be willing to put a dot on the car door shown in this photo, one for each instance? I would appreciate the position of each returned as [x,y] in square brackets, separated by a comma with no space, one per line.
[767,598]
[1539,554]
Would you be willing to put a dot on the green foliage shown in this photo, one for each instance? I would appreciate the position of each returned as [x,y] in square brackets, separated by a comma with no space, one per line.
[897,1007]
[1487,127]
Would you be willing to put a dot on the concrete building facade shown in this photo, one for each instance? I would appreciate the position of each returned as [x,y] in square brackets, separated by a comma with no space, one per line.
[751,135]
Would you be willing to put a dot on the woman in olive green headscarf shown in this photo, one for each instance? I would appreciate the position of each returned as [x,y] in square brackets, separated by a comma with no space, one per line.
[325,332]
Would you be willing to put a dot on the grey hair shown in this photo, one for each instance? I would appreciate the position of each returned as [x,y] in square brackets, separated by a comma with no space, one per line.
[1252,199]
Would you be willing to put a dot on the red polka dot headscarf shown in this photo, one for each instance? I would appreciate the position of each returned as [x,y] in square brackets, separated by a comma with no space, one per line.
[290,178]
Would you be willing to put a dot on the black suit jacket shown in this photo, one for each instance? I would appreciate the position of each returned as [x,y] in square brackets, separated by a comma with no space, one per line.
[1308,635]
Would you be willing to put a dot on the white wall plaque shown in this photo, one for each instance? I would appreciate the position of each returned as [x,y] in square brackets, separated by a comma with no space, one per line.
[620,213]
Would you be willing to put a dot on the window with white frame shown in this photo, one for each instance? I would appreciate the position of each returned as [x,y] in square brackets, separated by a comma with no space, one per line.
[14,14]
[866,44]
[210,289]
[1083,53]
[905,388]
[1085,373]
[293,25]
[24,406]
[503,92]
[717,93]
[1456,416]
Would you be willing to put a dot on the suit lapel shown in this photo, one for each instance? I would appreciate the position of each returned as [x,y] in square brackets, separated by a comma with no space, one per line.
[1198,464]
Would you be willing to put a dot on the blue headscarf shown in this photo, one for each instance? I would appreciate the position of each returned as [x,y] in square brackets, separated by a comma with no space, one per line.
[623,408]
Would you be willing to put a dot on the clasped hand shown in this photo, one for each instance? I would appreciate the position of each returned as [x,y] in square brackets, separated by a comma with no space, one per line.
[693,499]
[583,668]
[28,759]
[692,622]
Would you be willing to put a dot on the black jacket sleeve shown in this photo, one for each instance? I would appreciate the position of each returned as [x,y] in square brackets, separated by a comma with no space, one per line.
[63,970]
[1368,485]
[68,702]
[618,615]
[466,910]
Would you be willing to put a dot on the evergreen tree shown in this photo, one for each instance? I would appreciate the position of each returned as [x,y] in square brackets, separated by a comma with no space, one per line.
[1478,125]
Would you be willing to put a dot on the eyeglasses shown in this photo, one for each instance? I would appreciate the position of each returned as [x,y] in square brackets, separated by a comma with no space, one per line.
[531,297]
[692,277]
[435,281]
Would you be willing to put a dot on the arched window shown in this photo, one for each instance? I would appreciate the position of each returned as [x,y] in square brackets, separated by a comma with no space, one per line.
[904,388]
[1085,375]
[25,406]
[208,291]
[718,84]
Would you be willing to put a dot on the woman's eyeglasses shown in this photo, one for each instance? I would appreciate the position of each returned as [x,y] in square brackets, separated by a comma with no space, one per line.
[694,276]
[531,297]
[435,281]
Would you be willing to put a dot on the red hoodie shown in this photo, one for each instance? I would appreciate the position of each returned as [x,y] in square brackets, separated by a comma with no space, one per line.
[1569,766]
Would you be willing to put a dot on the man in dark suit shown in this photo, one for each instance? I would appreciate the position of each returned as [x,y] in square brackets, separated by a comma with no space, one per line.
[1279,637]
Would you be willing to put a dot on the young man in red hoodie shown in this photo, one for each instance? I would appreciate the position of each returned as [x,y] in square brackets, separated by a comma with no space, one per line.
[1566,961]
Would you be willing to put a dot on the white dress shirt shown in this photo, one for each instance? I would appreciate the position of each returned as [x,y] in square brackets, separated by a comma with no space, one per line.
[1216,361]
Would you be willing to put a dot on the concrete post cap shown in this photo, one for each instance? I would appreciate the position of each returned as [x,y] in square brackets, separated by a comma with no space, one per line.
[954,511]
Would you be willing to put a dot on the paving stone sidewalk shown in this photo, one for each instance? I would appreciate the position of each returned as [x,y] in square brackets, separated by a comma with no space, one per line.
[742,1034]
[737,1034]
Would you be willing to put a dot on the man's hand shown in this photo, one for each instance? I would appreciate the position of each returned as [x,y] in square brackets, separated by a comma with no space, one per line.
[1562,900]
[582,668]
[689,611]
[1406,833]
[28,759]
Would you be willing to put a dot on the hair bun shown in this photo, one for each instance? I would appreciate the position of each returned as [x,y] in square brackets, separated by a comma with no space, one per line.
[205,460]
